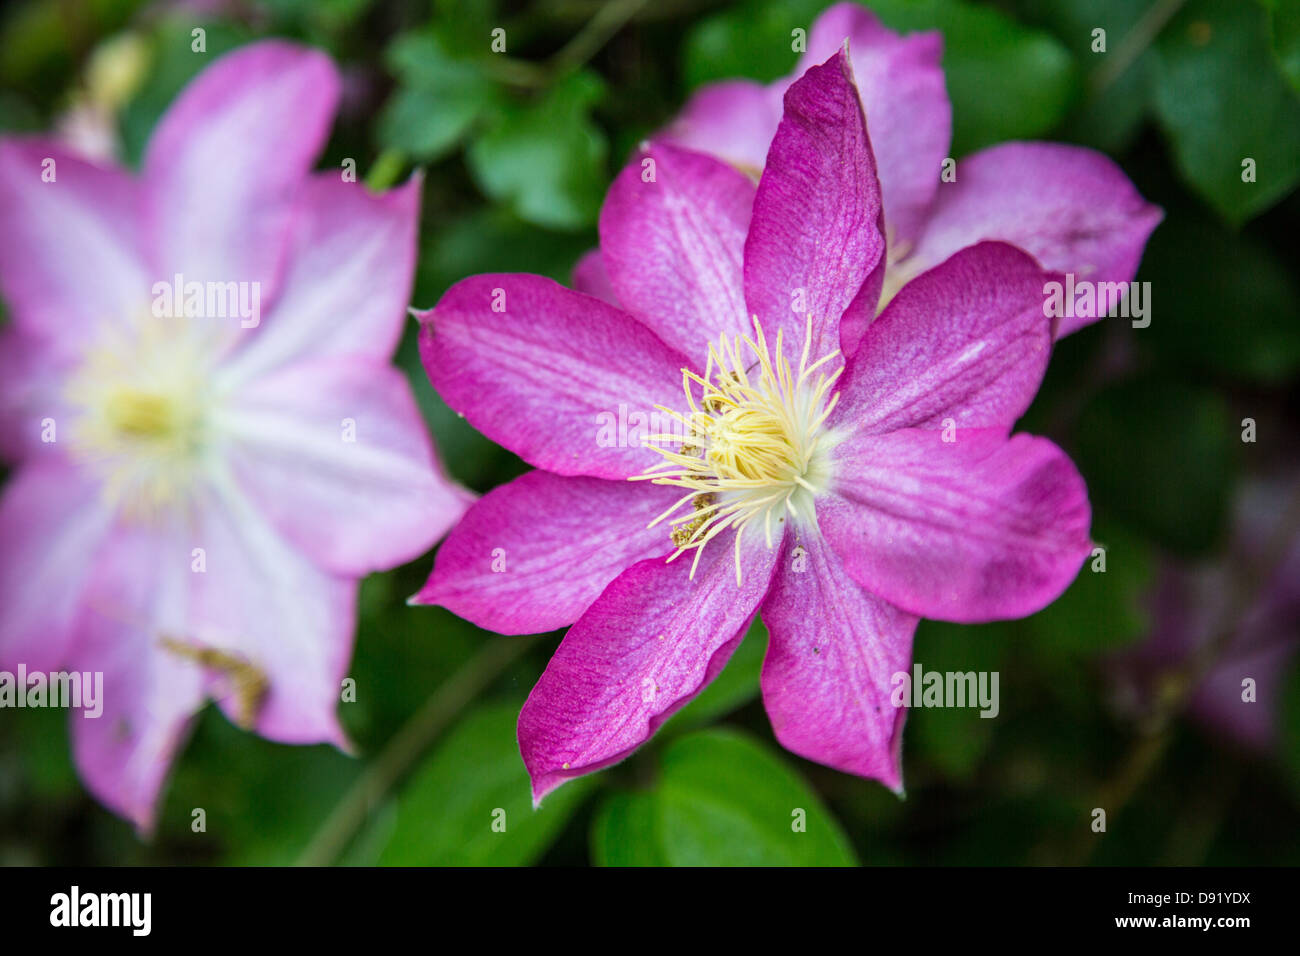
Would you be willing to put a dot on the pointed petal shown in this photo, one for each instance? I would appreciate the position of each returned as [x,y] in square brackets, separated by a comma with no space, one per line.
[651,642]
[33,369]
[335,453]
[827,677]
[981,528]
[219,214]
[906,102]
[348,281]
[532,555]
[816,247]
[71,250]
[969,340]
[672,243]
[544,370]
[52,525]
[136,598]
[1073,209]
[261,599]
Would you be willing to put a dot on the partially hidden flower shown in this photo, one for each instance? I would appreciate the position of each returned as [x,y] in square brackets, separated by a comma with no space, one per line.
[1071,208]
[841,500]
[211,445]
[1225,631]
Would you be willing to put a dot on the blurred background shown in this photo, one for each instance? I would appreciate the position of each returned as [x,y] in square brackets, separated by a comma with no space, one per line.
[1124,695]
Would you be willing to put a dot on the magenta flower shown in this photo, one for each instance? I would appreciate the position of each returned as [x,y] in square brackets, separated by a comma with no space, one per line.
[203,477]
[826,495]
[1071,208]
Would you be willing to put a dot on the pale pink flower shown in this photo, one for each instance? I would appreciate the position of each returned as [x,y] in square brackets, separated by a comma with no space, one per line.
[195,498]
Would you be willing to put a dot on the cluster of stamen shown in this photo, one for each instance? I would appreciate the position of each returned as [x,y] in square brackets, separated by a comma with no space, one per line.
[754,446]
[139,401]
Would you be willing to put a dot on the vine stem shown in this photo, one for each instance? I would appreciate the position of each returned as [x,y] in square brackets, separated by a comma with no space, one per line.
[598,31]
[595,33]
[1135,43]
[407,746]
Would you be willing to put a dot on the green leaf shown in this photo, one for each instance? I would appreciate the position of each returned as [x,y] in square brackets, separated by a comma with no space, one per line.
[1160,455]
[753,40]
[955,739]
[292,789]
[1284,23]
[546,159]
[438,100]
[723,799]
[1117,92]
[1006,81]
[473,780]
[1222,100]
[623,832]
[1103,609]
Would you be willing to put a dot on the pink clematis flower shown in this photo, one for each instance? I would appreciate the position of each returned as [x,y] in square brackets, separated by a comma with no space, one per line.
[202,480]
[1071,208]
[823,494]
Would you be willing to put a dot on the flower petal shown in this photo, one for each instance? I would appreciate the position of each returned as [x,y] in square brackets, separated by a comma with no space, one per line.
[980,528]
[33,368]
[71,253]
[219,214]
[672,234]
[542,370]
[968,340]
[335,453]
[532,555]
[52,524]
[348,282]
[833,651]
[1071,208]
[734,120]
[649,644]
[906,102]
[136,599]
[261,599]
[816,247]
[590,277]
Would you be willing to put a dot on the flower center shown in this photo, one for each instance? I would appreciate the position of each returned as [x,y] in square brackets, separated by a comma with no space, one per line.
[139,398]
[142,414]
[755,446]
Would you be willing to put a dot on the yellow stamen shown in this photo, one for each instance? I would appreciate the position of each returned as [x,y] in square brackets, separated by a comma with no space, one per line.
[140,402]
[249,685]
[142,414]
[753,446]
